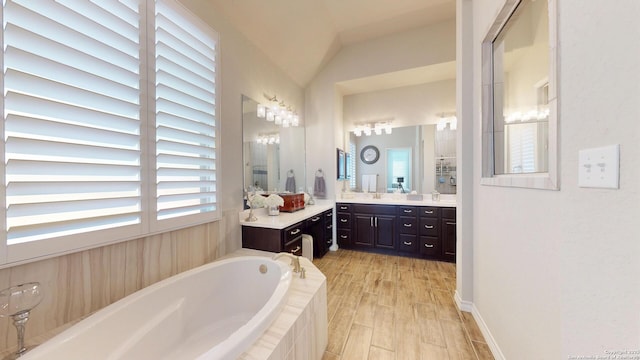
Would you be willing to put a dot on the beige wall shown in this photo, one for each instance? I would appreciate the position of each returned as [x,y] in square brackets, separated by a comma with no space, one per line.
[555,273]
[324,103]
[80,283]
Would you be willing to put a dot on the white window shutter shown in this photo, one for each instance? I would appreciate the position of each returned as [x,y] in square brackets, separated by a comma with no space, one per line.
[186,113]
[71,119]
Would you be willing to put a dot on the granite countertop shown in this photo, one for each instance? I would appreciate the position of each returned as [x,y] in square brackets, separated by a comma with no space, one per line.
[285,219]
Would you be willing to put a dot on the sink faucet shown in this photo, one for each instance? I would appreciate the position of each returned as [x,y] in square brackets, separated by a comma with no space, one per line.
[295,261]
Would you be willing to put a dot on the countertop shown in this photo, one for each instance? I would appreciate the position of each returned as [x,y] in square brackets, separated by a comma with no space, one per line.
[285,219]
[446,200]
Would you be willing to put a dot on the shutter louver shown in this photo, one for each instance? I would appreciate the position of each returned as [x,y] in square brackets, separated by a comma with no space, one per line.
[185,116]
[72,118]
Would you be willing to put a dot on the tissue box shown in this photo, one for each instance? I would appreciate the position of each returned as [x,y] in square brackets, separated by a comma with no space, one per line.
[414,197]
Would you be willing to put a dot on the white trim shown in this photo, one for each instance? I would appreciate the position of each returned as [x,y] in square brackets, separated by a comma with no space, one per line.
[488,337]
[469,306]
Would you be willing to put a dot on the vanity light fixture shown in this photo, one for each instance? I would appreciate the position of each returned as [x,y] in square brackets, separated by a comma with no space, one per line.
[278,112]
[447,118]
[268,139]
[374,127]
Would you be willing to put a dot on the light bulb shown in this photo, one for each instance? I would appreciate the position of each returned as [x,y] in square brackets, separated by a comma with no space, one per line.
[261,111]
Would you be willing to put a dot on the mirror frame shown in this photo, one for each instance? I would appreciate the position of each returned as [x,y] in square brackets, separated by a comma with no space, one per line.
[548,180]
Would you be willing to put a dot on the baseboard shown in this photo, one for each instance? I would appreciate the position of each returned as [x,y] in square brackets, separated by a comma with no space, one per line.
[462,305]
[488,337]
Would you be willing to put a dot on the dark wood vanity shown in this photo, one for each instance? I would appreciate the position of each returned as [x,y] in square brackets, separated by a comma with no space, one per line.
[283,233]
[419,231]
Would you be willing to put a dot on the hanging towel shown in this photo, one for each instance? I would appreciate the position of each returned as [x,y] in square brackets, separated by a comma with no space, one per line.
[369,183]
[290,185]
[319,186]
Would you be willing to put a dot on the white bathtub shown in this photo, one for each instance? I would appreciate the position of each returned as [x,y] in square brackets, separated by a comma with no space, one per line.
[215,311]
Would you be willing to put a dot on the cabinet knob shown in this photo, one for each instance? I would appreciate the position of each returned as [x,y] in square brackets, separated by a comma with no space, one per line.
[428,246]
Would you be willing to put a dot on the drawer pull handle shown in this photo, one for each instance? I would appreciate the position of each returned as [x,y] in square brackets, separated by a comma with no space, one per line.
[429,226]
[428,211]
[343,236]
[329,215]
[329,226]
[408,243]
[315,218]
[296,249]
[343,220]
[294,232]
[343,208]
[428,246]
[407,225]
[407,211]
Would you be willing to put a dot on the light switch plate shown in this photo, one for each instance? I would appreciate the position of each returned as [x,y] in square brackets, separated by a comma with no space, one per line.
[599,167]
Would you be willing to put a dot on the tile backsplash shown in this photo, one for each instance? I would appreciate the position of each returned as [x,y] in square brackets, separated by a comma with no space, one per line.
[78,284]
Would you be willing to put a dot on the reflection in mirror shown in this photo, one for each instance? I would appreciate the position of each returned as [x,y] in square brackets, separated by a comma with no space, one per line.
[521,91]
[273,156]
[421,157]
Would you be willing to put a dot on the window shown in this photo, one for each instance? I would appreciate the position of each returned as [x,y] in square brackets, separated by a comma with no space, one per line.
[83,131]
[399,169]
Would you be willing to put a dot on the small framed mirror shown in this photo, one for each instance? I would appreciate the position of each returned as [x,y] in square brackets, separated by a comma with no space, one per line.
[519,87]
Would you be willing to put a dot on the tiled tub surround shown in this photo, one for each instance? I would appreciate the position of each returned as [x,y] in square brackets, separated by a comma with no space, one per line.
[298,332]
[81,283]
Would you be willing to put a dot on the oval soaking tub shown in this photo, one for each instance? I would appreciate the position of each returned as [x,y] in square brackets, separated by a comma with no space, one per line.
[215,311]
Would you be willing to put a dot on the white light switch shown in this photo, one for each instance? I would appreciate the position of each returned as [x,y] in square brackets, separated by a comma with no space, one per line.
[599,167]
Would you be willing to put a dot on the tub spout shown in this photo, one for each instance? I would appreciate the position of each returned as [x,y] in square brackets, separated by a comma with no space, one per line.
[295,260]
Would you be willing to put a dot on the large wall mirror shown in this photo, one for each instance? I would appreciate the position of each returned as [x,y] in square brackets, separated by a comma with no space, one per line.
[519,90]
[420,158]
[273,156]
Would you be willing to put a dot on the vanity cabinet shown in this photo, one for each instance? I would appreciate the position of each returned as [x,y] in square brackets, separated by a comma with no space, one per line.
[448,222]
[418,231]
[374,226]
[344,225]
[283,233]
[288,239]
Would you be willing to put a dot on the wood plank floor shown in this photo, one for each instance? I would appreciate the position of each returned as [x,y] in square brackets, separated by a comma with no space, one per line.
[399,308]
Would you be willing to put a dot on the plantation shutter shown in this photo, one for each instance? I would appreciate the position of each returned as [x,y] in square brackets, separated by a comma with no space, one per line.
[71,118]
[186,110]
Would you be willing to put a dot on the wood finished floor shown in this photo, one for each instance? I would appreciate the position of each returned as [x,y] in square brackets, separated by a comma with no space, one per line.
[399,308]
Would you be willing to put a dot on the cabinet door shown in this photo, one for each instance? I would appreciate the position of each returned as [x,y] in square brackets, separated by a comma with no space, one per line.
[344,238]
[385,231]
[364,234]
[315,228]
[449,239]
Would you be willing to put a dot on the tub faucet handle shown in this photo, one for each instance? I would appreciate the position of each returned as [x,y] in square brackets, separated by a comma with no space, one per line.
[295,262]
[303,273]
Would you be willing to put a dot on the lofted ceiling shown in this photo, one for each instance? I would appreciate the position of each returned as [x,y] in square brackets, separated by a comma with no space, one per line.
[300,36]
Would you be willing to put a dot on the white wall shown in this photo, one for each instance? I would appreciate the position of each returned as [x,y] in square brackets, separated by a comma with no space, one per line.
[245,70]
[555,273]
[323,102]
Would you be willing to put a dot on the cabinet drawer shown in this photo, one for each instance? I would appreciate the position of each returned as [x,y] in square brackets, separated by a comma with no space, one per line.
[408,243]
[341,207]
[344,221]
[328,215]
[429,246]
[292,232]
[429,211]
[408,225]
[407,211]
[429,227]
[294,247]
[344,238]
[374,209]
[449,213]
